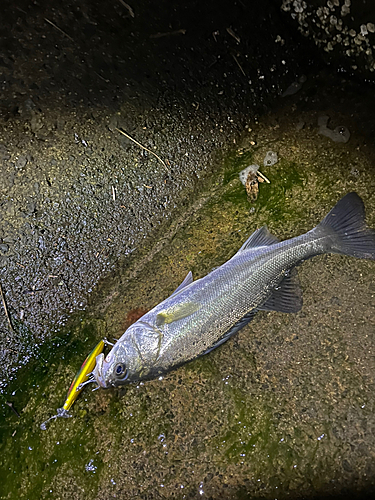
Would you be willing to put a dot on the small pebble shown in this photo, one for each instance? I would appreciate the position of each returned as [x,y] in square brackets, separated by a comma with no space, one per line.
[300,125]
[339,134]
[292,89]
[21,162]
[270,159]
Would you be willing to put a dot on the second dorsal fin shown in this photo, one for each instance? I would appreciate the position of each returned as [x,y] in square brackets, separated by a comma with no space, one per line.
[260,238]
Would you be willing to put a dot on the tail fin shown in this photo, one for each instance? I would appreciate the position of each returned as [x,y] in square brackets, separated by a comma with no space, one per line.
[347,221]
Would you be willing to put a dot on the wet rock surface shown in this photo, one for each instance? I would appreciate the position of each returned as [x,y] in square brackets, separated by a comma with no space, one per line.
[95,231]
[76,195]
[285,409]
[343,31]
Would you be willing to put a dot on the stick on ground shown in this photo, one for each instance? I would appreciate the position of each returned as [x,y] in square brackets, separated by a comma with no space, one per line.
[143,147]
[59,29]
[5,308]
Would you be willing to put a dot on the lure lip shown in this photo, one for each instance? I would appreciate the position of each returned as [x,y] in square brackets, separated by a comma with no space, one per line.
[82,374]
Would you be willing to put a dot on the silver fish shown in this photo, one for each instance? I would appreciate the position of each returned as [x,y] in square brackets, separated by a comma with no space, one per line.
[200,315]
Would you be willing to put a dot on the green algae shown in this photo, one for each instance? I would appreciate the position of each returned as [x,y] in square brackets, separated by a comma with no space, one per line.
[227,420]
[31,457]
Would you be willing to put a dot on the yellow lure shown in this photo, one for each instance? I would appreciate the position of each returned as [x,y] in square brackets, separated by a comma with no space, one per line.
[76,385]
[86,368]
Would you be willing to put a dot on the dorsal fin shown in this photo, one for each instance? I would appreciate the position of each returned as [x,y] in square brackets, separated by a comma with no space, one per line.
[260,238]
[287,297]
[188,279]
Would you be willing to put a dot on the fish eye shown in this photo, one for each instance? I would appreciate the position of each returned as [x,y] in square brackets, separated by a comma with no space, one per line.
[121,371]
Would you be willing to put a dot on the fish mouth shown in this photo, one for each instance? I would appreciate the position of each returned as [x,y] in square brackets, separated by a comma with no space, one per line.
[98,372]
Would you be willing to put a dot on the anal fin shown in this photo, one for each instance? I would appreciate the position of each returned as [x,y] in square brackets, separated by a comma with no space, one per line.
[287,297]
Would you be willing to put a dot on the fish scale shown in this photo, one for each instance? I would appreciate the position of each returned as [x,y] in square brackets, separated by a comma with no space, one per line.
[269,268]
[201,315]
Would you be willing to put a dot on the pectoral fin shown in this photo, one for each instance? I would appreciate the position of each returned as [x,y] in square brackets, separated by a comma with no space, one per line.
[235,328]
[175,313]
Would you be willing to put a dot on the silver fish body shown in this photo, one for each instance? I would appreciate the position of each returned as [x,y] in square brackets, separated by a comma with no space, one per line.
[200,315]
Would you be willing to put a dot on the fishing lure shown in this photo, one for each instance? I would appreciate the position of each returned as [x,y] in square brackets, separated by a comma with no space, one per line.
[78,382]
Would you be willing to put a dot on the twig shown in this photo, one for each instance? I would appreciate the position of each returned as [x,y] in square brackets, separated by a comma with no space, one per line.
[127,6]
[263,177]
[102,77]
[11,350]
[143,147]
[59,29]
[239,65]
[5,308]
[13,408]
[169,33]
[234,35]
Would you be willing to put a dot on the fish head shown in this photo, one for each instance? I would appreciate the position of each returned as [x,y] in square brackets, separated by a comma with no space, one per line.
[118,368]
